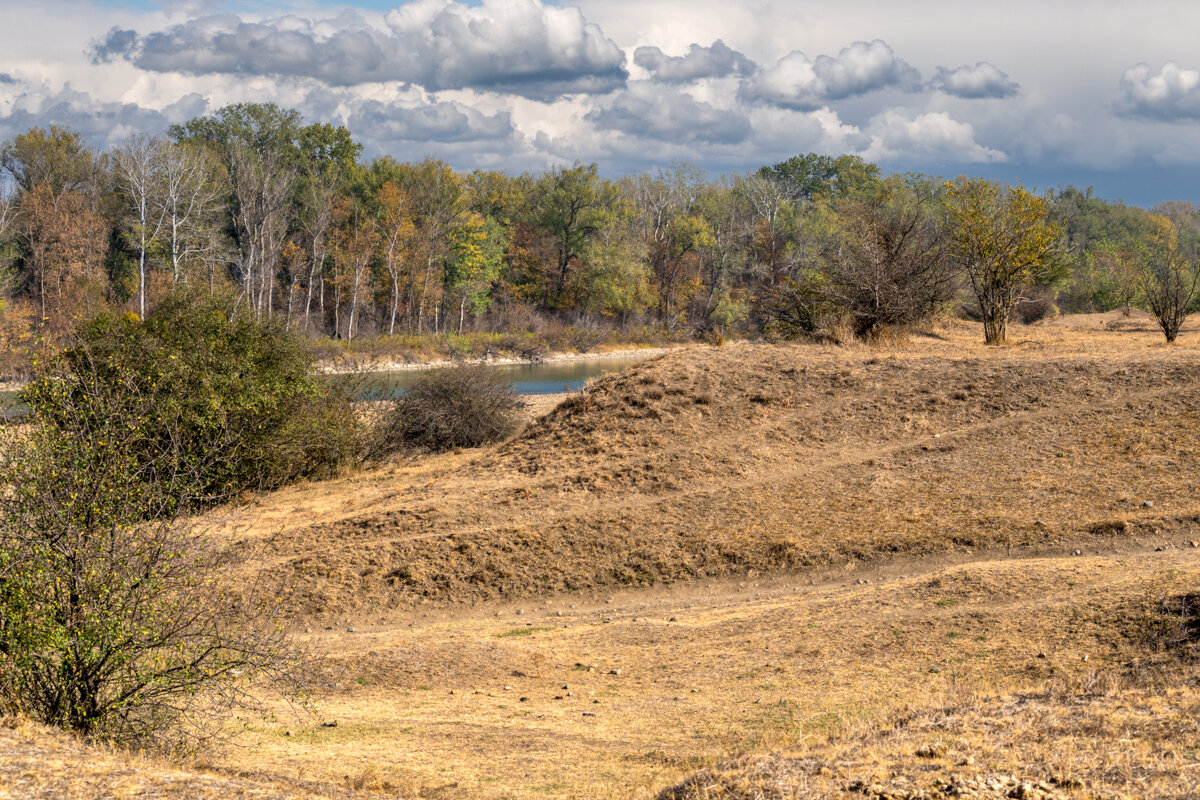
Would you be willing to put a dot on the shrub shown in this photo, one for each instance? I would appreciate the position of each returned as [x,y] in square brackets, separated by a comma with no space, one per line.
[466,405]
[232,401]
[114,614]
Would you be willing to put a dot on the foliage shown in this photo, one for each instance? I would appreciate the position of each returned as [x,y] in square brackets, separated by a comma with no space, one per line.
[196,369]
[888,264]
[466,405]
[114,617]
[1158,274]
[1002,238]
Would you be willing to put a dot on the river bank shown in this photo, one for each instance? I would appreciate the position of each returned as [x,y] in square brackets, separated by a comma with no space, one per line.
[406,366]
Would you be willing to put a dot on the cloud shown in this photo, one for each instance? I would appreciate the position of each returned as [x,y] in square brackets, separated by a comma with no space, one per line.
[931,138]
[7,79]
[99,122]
[716,61]
[433,122]
[652,112]
[797,82]
[980,81]
[517,46]
[1170,95]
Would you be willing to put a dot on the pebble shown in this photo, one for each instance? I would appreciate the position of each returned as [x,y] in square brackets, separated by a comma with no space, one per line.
[672,619]
[1078,552]
[589,714]
[1148,504]
[935,670]
[614,672]
[331,724]
[520,611]
[349,630]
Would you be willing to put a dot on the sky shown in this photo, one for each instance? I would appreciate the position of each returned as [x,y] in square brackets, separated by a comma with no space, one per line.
[1088,92]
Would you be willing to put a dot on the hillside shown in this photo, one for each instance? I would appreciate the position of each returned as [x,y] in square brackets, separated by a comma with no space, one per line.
[915,571]
[752,458]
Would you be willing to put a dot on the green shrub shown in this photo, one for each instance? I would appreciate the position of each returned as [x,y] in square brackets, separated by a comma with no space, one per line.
[116,610]
[209,392]
[466,405]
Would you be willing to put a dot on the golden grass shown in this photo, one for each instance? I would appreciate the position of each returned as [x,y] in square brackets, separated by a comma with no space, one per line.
[807,563]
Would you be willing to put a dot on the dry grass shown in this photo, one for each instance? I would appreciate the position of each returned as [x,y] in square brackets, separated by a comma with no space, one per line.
[809,564]
[752,458]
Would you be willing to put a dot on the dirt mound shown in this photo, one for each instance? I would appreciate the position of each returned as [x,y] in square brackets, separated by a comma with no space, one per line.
[37,763]
[708,462]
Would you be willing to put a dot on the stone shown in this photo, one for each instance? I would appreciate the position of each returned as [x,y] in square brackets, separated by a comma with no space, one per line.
[1148,504]
[614,672]
[349,630]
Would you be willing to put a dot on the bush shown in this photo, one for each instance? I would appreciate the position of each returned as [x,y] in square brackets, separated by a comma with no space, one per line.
[467,405]
[115,618]
[231,401]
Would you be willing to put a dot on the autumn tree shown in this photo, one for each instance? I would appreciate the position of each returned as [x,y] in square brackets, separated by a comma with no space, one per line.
[396,231]
[64,243]
[1002,238]
[54,157]
[473,263]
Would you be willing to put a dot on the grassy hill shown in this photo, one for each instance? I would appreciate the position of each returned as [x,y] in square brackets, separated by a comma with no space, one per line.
[924,569]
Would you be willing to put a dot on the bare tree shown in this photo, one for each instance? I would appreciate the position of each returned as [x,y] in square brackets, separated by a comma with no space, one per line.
[190,199]
[263,185]
[139,169]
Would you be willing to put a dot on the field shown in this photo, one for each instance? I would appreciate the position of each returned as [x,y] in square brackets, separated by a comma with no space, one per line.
[924,568]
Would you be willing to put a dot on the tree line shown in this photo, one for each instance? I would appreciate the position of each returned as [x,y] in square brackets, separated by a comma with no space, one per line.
[292,221]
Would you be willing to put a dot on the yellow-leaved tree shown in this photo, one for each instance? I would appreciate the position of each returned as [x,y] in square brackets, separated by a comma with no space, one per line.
[1003,239]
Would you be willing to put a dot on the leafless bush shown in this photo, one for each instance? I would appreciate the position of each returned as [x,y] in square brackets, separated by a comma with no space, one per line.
[466,405]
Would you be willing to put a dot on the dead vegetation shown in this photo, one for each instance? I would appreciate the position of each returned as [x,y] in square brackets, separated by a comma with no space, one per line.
[752,458]
[920,570]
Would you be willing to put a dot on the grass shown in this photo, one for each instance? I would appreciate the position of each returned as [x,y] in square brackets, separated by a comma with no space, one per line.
[808,564]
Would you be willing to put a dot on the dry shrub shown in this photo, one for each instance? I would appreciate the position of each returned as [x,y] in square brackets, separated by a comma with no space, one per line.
[467,405]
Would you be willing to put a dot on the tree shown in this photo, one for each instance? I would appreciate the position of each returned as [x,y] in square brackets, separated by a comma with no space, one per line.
[396,231]
[1158,273]
[139,170]
[54,157]
[568,201]
[1001,237]
[64,244]
[473,265]
[258,144]
[116,612]
[887,265]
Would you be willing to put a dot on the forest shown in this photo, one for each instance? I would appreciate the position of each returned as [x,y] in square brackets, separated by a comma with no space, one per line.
[291,220]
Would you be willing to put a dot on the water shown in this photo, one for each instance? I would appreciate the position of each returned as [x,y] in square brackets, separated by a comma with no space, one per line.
[549,377]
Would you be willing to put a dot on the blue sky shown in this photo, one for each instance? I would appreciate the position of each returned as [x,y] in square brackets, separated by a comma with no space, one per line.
[1088,92]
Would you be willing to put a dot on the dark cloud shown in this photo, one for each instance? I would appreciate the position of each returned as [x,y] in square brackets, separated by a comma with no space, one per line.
[518,46]
[117,43]
[795,81]
[1170,95]
[6,78]
[433,122]
[980,81]
[717,61]
[648,111]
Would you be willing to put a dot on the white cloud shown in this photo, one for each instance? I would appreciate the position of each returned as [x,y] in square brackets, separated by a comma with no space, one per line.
[1171,94]
[795,81]
[980,81]
[929,138]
